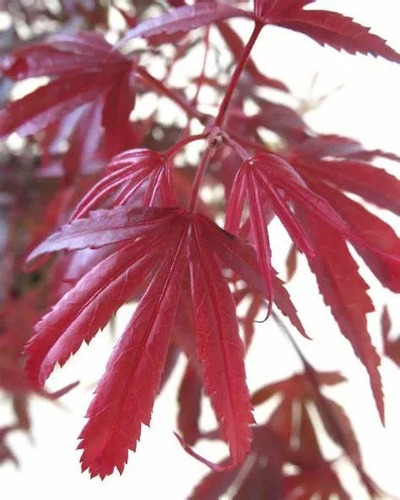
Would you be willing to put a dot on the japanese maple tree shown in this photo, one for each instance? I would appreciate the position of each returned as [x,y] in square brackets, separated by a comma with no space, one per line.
[104,205]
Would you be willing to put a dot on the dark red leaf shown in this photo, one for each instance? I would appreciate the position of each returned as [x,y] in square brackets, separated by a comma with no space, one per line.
[85,151]
[386,323]
[295,386]
[339,428]
[391,346]
[119,102]
[64,55]
[282,120]
[214,485]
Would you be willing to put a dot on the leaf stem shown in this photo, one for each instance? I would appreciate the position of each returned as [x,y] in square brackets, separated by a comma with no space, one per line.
[236,74]
[173,150]
[174,96]
[216,132]
[208,153]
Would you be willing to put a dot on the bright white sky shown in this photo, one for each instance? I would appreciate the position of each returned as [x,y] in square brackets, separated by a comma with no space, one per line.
[368,108]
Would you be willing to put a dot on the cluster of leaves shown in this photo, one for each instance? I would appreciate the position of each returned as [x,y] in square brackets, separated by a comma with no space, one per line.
[122,202]
[27,210]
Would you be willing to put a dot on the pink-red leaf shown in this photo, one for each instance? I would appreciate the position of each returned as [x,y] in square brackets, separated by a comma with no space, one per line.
[139,174]
[125,395]
[371,183]
[51,102]
[64,55]
[84,66]
[87,307]
[260,236]
[338,31]
[220,349]
[240,256]
[105,227]
[262,178]
[345,292]
[383,252]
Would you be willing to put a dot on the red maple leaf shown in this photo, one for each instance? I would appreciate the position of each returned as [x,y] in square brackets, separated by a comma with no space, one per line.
[289,437]
[130,240]
[85,70]
[165,244]
[323,26]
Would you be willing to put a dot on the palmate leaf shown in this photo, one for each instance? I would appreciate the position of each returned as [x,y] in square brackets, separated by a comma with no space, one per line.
[104,227]
[141,174]
[282,120]
[262,178]
[109,284]
[259,477]
[125,394]
[345,292]
[299,388]
[84,68]
[371,183]
[61,56]
[50,103]
[337,146]
[383,260]
[328,219]
[219,346]
[379,245]
[239,256]
[339,32]
[166,243]
[320,482]
[85,153]
[325,27]
[306,389]
[288,436]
